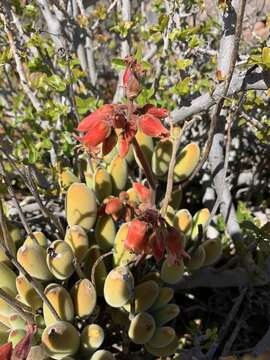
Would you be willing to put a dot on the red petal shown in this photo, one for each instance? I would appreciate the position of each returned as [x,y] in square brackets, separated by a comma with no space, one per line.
[100,114]
[136,239]
[157,245]
[126,76]
[145,194]
[109,143]
[5,351]
[152,126]
[174,244]
[123,147]
[160,113]
[97,134]
[23,347]
[113,206]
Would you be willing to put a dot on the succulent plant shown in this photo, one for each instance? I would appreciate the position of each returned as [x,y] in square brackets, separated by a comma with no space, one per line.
[161,157]
[102,355]
[61,300]
[147,146]
[162,337]
[5,312]
[102,184]
[119,174]
[92,337]
[60,340]
[27,293]
[166,314]
[213,251]
[100,271]
[172,273]
[142,302]
[197,259]
[16,335]
[200,218]
[168,350]
[77,239]
[164,297]
[170,214]
[105,232]
[4,332]
[33,260]
[186,162]
[132,195]
[119,286]
[60,259]
[84,211]
[84,297]
[7,279]
[65,178]
[183,221]
[16,322]
[121,255]
[142,328]
[40,237]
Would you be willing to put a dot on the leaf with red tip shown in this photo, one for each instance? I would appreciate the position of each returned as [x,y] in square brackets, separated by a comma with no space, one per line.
[151,126]
[23,347]
[6,351]
[109,143]
[136,239]
[144,193]
[160,113]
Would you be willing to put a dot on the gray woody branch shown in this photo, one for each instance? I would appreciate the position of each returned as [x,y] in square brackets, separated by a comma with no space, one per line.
[256,80]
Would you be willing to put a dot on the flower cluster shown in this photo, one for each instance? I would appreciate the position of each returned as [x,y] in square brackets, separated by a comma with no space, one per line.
[101,126]
[112,121]
[148,233]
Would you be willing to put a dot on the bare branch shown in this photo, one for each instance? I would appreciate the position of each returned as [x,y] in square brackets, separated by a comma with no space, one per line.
[236,11]
[26,88]
[255,80]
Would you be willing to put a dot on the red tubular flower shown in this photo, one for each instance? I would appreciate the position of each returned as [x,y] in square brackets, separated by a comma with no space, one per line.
[109,143]
[101,114]
[137,239]
[144,193]
[113,205]
[151,126]
[175,247]
[97,134]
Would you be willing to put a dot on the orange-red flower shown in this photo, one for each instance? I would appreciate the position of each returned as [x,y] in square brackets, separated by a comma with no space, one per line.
[149,233]
[143,192]
[99,127]
[136,239]
[175,245]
